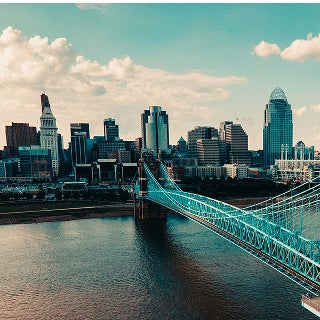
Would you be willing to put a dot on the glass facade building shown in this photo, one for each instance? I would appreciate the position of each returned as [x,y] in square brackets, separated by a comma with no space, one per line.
[155,130]
[277,129]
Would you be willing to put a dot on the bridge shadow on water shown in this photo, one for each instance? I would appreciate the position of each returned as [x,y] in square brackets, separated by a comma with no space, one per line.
[176,285]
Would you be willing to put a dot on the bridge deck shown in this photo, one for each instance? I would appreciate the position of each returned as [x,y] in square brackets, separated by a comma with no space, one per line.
[312,304]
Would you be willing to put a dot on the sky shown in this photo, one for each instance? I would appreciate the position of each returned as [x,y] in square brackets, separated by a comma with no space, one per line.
[202,63]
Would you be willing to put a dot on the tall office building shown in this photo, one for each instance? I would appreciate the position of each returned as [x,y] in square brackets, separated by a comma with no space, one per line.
[48,133]
[79,135]
[20,135]
[155,130]
[199,133]
[44,102]
[111,129]
[222,129]
[224,148]
[208,151]
[78,147]
[278,128]
[80,127]
[237,144]
[35,162]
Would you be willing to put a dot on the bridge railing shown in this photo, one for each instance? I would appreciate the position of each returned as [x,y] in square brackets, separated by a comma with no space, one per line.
[245,223]
[309,186]
[299,213]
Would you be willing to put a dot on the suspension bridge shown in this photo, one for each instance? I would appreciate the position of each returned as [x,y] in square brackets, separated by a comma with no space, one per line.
[283,231]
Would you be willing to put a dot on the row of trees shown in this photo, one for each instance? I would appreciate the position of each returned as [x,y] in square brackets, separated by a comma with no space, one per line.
[105,195]
[233,188]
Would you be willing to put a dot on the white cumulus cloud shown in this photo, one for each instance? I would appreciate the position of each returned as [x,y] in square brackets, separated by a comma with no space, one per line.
[266,49]
[299,112]
[84,90]
[299,50]
[302,49]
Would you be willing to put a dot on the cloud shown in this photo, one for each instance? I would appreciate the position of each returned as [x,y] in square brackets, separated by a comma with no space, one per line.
[83,90]
[299,112]
[315,108]
[302,49]
[100,7]
[32,61]
[265,49]
[299,51]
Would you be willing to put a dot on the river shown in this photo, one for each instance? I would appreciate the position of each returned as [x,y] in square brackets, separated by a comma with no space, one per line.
[114,268]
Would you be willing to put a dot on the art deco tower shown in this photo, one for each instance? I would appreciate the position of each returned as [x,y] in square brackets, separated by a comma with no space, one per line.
[277,129]
[48,133]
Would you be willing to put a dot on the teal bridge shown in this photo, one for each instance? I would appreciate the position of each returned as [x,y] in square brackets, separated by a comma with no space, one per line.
[283,231]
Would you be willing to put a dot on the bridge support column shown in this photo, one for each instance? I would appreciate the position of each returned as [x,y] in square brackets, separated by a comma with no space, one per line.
[145,210]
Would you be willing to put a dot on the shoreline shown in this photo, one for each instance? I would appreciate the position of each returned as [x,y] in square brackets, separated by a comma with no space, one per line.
[66,214]
[38,212]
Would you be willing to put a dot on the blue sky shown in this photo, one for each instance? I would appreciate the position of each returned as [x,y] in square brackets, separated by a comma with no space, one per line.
[203,63]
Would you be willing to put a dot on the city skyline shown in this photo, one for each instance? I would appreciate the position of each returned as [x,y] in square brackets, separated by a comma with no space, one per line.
[203,63]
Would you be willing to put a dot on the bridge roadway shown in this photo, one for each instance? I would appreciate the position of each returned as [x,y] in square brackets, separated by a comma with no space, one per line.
[258,253]
[275,233]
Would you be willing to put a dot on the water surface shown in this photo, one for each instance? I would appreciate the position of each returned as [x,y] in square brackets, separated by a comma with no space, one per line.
[114,268]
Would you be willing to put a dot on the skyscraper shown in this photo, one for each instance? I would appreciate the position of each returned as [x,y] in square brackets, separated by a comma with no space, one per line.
[44,102]
[237,144]
[155,130]
[199,133]
[79,133]
[222,129]
[80,127]
[48,133]
[208,151]
[20,135]
[78,147]
[277,128]
[111,129]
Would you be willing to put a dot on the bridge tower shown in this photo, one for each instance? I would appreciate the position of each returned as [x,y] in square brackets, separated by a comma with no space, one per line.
[143,208]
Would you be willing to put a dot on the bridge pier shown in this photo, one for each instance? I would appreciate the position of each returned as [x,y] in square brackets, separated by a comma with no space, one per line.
[145,210]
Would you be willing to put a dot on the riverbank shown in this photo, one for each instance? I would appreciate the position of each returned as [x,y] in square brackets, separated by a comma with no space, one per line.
[40,211]
[37,212]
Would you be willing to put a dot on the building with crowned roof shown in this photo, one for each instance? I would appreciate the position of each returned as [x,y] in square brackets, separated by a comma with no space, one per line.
[48,133]
[277,128]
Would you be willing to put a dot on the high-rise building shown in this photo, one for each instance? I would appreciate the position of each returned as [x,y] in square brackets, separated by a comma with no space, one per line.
[237,145]
[208,151]
[80,127]
[199,133]
[44,102]
[78,147]
[278,128]
[20,135]
[155,130]
[102,146]
[222,129]
[80,134]
[224,147]
[48,133]
[111,130]
[35,162]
